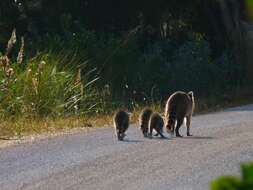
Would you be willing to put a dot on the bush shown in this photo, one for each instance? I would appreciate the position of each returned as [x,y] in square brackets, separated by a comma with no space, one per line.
[170,66]
[136,71]
[235,183]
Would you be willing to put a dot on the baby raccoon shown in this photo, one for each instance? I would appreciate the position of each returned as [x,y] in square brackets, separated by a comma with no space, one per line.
[178,106]
[144,119]
[121,123]
[156,122]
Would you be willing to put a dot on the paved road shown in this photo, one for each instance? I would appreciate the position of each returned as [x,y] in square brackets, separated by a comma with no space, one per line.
[96,161]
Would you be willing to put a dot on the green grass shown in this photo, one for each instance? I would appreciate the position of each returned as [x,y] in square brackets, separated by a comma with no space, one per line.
[47,85]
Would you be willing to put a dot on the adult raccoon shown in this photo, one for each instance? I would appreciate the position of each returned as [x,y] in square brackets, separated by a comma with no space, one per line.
[156,122]
[121,123]
[178,106]
[144,120]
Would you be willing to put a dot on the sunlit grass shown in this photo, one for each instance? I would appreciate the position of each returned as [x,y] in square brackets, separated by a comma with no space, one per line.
[19,127]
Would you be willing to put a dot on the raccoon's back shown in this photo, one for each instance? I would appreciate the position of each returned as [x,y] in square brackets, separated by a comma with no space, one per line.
[145,116]
[120,118]
[156,120]
[178,104]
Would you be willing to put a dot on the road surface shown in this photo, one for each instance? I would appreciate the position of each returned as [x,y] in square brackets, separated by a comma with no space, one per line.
[97,161]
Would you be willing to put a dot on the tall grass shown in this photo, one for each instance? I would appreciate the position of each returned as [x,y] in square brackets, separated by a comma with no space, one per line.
[47,84]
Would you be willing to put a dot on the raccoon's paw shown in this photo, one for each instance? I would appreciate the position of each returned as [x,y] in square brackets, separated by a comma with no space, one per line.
[121,137]
[149,136]
[189,135]
[156,135]
[145,134]
[178,135]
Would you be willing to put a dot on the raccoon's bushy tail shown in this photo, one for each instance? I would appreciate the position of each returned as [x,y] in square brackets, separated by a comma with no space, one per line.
[192,99]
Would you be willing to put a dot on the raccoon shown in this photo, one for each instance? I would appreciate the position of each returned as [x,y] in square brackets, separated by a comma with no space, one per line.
[178,106]
[121,124]
[156,122]
[144,120]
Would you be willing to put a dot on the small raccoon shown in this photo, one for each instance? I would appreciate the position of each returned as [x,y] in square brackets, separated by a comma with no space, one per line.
[178,106]
[156,122]
[144,120]
[121,123]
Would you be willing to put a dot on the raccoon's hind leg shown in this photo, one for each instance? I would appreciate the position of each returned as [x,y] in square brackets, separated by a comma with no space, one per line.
[179,123]
[150,132]
[123,132]
[120,136]
[117,133]
[144,130]
[188,123]
[161,134]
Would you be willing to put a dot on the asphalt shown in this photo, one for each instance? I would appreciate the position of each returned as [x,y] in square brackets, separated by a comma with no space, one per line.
[97,161]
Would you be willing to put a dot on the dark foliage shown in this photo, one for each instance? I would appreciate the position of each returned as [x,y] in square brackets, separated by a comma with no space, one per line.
[140,49]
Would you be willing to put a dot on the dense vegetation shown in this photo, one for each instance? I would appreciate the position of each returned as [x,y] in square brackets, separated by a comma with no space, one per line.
[235,183]
[85,56]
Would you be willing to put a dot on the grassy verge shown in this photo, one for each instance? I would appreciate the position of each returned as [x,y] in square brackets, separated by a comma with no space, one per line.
[16,128]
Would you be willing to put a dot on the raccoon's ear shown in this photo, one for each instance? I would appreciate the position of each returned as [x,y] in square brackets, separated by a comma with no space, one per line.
[190,93]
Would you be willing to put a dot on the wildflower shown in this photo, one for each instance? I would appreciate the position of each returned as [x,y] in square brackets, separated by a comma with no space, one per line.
[4,62]
[35,84]
[10,72]
[41,66]
[21,52]
[11,42]
[29,73]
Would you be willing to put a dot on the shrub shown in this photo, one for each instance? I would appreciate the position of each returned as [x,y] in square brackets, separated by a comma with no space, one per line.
[235,183]
[139,72]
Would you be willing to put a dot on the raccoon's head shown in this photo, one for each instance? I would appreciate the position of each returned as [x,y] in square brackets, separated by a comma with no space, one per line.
[170,126]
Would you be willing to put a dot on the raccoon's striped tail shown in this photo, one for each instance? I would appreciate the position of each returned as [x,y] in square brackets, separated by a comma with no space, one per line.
[192,99]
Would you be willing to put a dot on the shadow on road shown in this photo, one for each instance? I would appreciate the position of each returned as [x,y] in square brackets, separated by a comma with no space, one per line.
[199,137]
[132,141]
[160,138]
